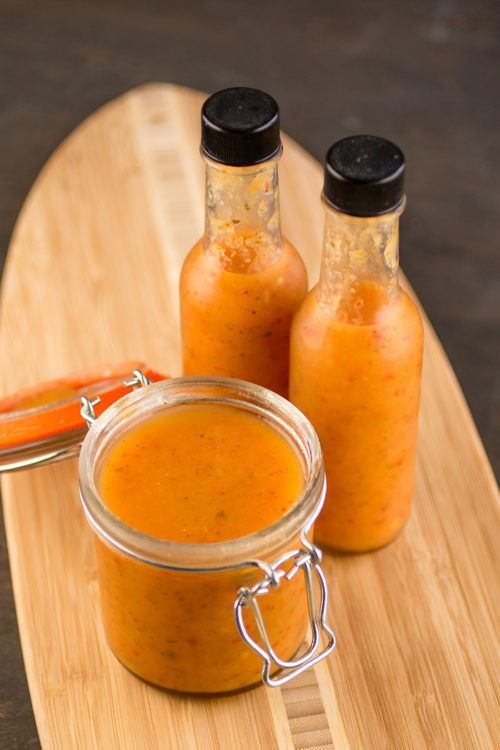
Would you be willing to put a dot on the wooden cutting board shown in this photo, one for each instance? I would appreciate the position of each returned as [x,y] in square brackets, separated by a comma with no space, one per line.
[92,277]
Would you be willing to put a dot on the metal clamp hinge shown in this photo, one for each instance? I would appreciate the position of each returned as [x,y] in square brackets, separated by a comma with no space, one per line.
[307,561]
[139,380]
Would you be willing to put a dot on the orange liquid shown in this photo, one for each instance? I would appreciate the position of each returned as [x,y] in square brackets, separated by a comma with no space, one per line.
[196,474]
[46,397]
[357,378]
[236,321]
[201,474]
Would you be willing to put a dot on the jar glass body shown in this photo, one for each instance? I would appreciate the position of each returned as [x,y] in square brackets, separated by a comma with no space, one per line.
[168,608]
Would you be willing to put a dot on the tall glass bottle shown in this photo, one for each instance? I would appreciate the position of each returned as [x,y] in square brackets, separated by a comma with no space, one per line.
[356,350]
[242,282]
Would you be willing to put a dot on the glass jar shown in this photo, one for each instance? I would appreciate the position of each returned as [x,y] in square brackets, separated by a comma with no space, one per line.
[203,617]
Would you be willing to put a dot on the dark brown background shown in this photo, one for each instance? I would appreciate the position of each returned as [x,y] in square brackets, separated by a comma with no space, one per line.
[422,73]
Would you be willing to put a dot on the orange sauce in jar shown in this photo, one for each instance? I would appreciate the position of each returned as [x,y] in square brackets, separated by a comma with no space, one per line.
[237,311]
[196,474]
[356,376]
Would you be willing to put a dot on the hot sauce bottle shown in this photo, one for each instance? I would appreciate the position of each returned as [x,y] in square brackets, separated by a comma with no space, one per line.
[356,350]
[242,282]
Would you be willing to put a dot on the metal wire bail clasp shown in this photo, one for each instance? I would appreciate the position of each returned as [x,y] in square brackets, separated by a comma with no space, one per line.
[139,380]
[87,410]
[308,561]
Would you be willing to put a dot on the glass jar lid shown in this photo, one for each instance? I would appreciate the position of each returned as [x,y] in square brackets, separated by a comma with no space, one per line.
[45,423]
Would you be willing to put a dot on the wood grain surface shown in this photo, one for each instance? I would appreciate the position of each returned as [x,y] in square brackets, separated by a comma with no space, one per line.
[91,277]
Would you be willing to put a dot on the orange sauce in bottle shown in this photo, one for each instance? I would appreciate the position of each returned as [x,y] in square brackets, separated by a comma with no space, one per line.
[242,282]
[359,383]
[356,351]
[235,321]
[196,474]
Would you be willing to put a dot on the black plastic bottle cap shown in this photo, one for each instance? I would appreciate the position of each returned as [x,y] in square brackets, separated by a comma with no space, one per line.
[364,176]
[240,127]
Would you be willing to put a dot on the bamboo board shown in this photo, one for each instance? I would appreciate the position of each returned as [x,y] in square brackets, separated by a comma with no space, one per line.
[92,277]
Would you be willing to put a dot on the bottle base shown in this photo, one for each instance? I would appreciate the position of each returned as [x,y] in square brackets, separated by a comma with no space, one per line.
[358,549]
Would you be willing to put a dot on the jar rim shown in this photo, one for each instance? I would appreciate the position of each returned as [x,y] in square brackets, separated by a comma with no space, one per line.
[210,556]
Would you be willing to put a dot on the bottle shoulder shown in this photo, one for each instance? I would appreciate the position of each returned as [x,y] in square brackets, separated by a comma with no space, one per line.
[273,261]
[400,313]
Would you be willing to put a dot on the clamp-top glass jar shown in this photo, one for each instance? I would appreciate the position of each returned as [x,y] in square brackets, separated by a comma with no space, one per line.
[203,617]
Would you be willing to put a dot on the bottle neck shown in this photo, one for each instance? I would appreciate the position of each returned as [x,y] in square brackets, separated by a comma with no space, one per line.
[242,219]
[359,266]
